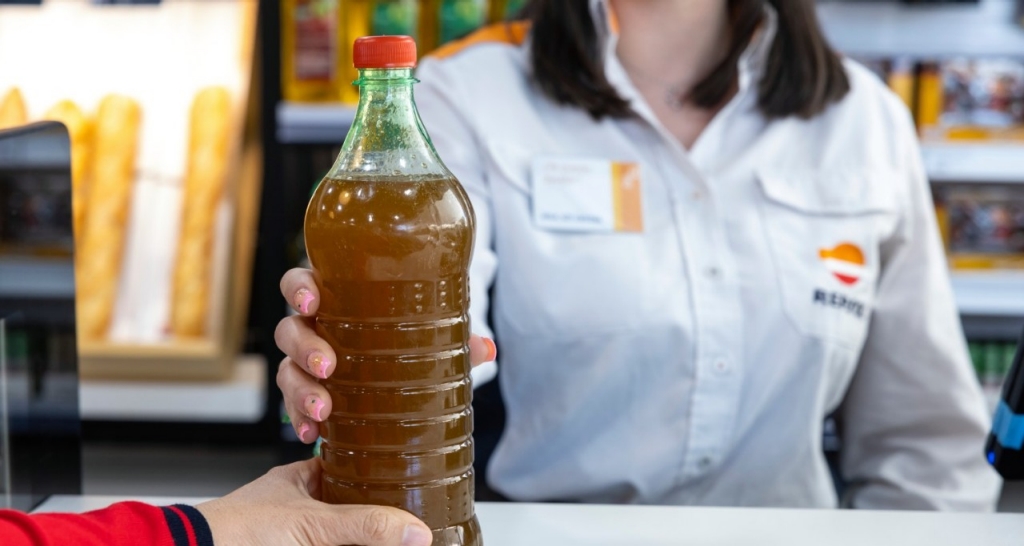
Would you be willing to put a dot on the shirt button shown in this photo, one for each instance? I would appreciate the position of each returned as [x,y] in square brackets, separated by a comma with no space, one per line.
[713,273]
[696,195]
[722,367]
[704,463]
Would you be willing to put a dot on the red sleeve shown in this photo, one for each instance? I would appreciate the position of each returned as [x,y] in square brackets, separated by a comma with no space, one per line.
[122,524]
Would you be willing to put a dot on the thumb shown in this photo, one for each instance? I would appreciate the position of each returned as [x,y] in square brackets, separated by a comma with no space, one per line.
[372,526]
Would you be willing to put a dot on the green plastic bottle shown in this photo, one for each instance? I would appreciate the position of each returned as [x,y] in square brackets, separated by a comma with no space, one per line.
[389,234]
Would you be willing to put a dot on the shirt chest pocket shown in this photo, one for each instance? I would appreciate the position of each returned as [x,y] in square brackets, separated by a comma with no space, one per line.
[824,231]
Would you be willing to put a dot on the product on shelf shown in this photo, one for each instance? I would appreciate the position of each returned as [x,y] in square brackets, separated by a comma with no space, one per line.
[390,240]
[205,178]
[106,214]
[503,10]
[983,99]
[457,18]
[983,226]
[355,23]
[929,95]
[12,109]
[902,82]
[317,37]
[80,133]
[395,18]
[310,50]
[442,21]
[992,361]
[959,99]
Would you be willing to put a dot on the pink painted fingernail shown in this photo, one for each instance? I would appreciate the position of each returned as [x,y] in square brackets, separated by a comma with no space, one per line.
[302,300]
[303,429]
[492,349]
[317,364]
[314,406]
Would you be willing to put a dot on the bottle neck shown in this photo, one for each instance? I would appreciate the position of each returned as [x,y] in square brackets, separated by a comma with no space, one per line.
[387,137]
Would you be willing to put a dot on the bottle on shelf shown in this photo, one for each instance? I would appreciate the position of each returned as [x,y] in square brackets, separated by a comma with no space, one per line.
[355,23]
[929,99]
[389,233]
[442,21]
[505,10]
[310,51]
[395,18]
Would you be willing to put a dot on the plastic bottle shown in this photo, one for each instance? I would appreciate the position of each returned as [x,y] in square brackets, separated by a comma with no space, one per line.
[442,21]
[354,24]
[389,233]
[310,50]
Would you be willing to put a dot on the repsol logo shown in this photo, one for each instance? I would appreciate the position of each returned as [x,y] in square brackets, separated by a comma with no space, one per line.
[839,301]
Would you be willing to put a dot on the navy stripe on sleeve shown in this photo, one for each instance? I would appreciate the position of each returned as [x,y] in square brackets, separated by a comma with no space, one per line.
[177,527]
[204,537]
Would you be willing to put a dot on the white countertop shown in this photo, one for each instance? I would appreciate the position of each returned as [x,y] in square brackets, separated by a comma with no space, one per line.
[523,524]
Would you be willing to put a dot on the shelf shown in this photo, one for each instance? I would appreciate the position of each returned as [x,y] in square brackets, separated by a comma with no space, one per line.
[37,278]
[313,123]
[240,399]
[963,162]
[890,29]
[990,294]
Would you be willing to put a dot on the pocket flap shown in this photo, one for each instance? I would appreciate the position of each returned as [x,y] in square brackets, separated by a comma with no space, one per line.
[843,193]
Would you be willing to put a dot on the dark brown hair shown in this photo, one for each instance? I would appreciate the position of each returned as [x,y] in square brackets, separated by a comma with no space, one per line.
[802,74]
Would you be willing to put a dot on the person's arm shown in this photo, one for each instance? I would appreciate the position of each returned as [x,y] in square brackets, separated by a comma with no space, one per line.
[914,421]
[438,99]
[281,507]
[126,523]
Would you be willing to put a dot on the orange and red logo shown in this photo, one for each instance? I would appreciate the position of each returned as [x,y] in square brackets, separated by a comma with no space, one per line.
[845,261]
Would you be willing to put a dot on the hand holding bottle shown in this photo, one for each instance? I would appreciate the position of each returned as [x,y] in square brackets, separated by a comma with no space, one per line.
[310,357]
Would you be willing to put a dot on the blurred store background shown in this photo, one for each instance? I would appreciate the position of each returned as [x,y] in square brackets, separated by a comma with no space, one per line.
[177,391]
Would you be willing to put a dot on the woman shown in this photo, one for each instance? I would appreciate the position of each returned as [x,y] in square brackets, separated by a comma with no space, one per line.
[779,261]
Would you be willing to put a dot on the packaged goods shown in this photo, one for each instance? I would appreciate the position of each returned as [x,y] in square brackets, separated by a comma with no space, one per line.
[983,226]
[310,50]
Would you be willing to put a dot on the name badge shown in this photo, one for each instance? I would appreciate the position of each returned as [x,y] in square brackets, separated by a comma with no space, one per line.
[597,195]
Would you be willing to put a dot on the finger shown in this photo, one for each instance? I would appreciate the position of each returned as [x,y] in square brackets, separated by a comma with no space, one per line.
[299,341]
[370,526]
[307,475]
[305,400]
[481,349]
[299,287]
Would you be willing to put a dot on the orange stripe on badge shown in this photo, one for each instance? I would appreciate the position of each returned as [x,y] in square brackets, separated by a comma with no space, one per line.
[626,197]
[613,19]
[512,33]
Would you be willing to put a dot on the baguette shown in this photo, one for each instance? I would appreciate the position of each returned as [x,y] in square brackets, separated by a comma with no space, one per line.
[205,178]
[12,109]
[80,133]
[106,214]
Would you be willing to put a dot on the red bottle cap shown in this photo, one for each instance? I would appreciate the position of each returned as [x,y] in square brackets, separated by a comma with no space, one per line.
[384,52]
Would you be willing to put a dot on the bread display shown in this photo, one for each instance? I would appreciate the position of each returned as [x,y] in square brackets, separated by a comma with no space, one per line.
[205,178]
[106,214]
[80,133]
[12,109]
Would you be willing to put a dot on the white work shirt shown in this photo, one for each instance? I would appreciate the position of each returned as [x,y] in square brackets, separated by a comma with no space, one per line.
[695,362]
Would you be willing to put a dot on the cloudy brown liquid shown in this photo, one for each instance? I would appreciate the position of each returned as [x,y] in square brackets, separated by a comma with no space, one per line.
[391,257]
